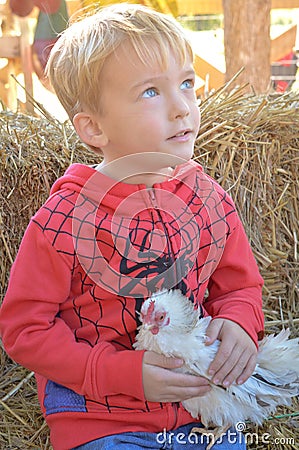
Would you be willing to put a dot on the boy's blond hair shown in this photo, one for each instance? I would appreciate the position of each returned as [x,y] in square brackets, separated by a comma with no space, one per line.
[76,60]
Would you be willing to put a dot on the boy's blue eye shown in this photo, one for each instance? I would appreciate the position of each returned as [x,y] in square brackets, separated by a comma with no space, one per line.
[187,84]
[149,93]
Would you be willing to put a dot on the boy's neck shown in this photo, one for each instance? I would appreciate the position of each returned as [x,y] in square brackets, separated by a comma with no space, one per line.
[132,176]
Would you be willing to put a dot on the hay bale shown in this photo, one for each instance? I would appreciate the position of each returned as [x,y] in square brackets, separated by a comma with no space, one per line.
[34,153]
[250,144]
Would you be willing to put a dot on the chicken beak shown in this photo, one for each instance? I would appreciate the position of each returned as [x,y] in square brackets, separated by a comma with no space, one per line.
[153,328]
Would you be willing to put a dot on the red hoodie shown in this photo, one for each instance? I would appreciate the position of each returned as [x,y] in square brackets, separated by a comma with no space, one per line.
[89,257]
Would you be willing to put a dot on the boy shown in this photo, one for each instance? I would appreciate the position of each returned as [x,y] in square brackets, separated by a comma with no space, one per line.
[109,236]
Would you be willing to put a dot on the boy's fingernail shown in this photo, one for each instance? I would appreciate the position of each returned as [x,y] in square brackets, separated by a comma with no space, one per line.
[178,362]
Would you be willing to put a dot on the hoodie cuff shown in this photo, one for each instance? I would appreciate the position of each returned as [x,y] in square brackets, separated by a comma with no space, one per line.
[250,319]
[113,372]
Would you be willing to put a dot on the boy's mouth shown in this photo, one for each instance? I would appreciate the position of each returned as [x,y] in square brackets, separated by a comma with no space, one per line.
[181,134]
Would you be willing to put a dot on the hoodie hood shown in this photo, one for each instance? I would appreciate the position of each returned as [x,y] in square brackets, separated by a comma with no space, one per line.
[111,194]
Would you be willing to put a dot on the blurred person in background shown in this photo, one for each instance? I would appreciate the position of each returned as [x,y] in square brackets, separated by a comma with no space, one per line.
[51,21]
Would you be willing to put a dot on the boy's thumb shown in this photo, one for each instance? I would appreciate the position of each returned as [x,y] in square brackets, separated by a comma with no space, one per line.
[163,361]
[212,332]
[172,363]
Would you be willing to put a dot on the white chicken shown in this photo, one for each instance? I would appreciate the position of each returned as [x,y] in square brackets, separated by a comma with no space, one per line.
[172,327]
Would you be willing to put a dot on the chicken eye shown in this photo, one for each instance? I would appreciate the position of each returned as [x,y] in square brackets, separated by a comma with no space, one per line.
[161,317]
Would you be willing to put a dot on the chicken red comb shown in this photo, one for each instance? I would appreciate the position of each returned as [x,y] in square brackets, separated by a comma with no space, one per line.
[150,309]
[147,315]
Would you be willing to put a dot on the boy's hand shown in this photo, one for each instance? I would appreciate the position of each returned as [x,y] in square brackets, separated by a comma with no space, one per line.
[160,384]
[237,353]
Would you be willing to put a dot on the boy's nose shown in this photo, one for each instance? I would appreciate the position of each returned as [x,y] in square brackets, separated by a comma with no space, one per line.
[179,109]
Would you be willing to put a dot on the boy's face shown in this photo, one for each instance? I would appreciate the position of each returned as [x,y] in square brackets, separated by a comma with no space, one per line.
[147,109]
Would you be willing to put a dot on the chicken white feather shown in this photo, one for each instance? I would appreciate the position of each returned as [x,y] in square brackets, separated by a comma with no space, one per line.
[172,327]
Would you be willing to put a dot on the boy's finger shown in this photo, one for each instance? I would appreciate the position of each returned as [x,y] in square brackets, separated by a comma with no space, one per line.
[231,368]
[213,331]
[248,371]
[222,356]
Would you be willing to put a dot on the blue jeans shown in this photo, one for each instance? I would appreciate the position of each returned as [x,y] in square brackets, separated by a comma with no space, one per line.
[179,439]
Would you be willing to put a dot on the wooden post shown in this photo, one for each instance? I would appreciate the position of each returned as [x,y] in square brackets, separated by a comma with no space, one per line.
[247,42]
[26,62]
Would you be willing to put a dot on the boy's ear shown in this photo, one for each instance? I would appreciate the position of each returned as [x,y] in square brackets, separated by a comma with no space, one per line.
[89,130]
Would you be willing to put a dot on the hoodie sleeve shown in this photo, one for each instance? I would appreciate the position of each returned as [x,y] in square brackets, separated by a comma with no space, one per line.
[36,337]
[235,288]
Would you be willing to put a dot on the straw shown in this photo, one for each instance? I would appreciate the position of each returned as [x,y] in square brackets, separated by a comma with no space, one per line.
[249,143]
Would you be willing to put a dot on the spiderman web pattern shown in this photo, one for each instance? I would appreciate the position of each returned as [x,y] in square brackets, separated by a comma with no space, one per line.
[118,261]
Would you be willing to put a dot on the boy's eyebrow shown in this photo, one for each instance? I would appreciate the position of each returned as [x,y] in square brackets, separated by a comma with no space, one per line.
[152,80]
